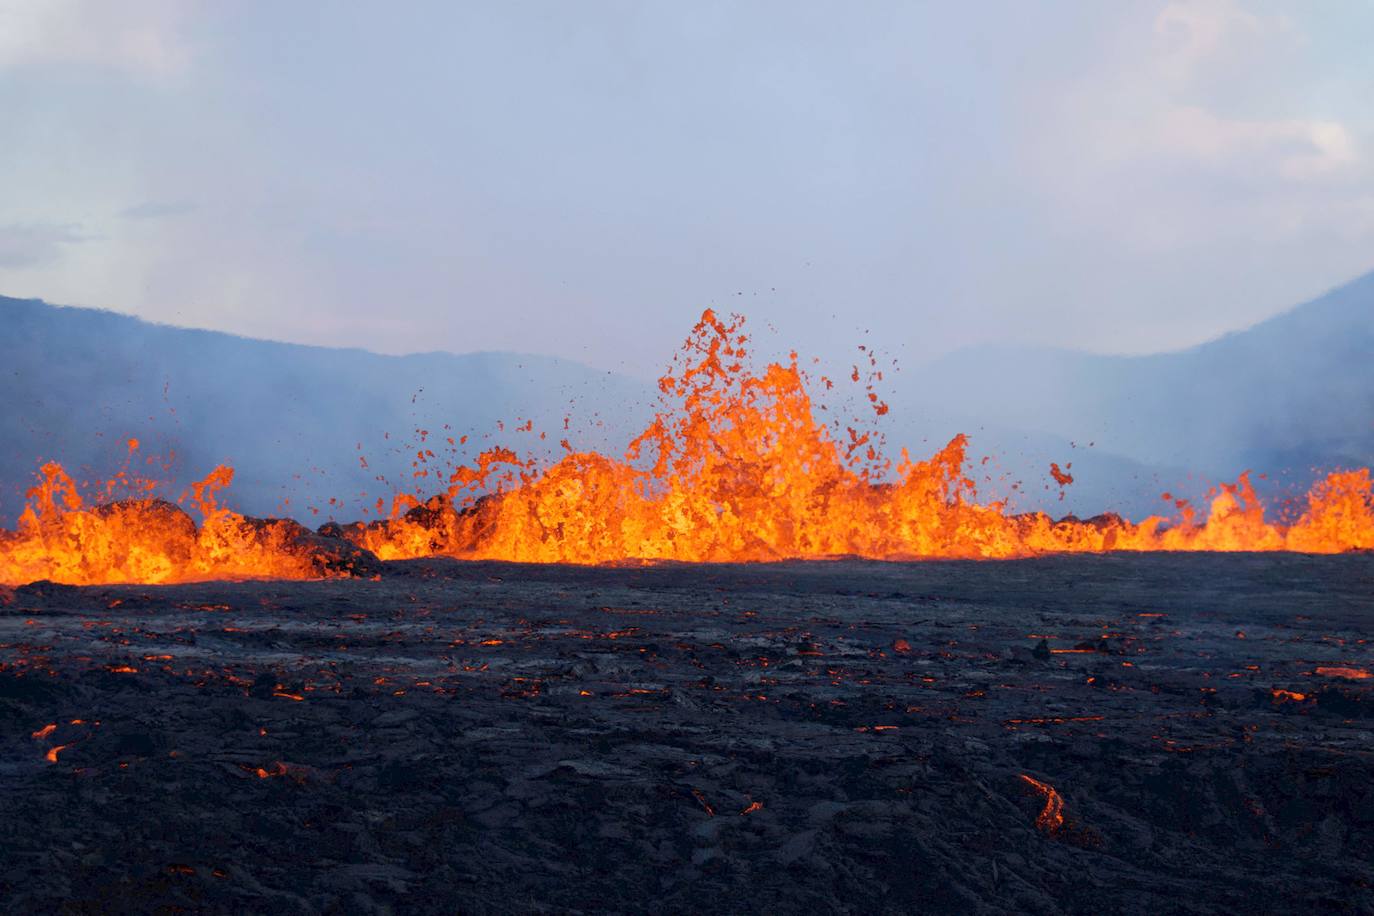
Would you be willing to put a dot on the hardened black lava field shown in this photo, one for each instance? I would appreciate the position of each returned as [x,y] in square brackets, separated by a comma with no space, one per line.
[1151,733]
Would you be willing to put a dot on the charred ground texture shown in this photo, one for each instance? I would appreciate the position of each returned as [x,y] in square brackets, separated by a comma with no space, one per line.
[837,737]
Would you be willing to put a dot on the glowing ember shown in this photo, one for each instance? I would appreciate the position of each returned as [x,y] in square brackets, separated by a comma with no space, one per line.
[1063,478]
[1051,817]
[734,468]
[1353,674]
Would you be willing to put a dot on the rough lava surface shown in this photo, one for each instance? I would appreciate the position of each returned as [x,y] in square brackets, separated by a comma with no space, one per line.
[1138,734]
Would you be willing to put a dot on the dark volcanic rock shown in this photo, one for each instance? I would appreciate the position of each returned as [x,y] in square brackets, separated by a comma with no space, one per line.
[1067,735]
[327,554]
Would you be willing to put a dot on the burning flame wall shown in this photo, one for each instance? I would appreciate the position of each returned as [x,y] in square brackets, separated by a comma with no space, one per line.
[735,468]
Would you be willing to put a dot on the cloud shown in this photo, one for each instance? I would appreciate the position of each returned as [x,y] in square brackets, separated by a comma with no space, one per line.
[143,37]
[1182,128]
[1200,46]
[1191,33]
[1252,150]
[158,209]
[34,245]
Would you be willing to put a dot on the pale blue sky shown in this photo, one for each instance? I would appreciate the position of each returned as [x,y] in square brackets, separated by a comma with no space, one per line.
[580,179]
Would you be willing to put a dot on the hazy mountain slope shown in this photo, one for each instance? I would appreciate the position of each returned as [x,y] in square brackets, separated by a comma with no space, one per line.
[76,383]
[1292,392]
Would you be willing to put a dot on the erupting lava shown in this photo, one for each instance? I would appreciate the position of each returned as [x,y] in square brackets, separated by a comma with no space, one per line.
[734,468]
[150,540]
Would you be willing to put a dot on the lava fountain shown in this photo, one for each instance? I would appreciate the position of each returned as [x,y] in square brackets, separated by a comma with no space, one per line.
[734,468]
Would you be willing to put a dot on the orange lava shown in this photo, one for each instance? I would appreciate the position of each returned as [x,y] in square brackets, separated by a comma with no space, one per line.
[742,471]
[1353,674]
[1063,478]
[142,540]
[1051,817]
[734,468]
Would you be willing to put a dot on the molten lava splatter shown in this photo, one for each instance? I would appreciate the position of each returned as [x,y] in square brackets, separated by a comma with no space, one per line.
[734,468]
[144,540]
[742,471]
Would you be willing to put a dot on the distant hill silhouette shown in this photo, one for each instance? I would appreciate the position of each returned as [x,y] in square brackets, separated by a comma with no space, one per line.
[77,383]
[1290,394]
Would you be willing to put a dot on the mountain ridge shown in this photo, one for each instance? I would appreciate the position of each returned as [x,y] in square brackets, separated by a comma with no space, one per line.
[82,381]
[1294,389]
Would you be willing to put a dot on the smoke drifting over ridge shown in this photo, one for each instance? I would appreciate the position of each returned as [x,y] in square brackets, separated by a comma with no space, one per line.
[296,422]
[1283,398]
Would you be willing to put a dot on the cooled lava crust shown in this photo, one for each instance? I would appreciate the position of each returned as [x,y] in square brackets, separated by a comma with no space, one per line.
[1096,734]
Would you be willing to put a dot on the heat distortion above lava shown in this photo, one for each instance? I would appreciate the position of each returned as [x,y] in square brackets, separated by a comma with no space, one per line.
[735,467]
